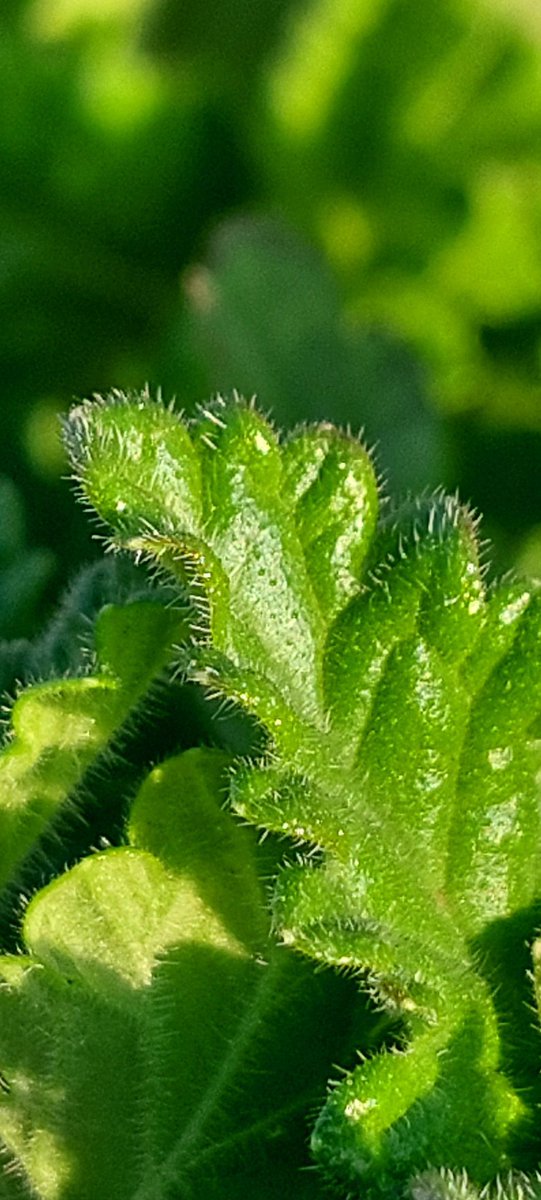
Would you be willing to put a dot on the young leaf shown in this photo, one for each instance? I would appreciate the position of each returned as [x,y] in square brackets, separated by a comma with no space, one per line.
[400,698]
[231,527]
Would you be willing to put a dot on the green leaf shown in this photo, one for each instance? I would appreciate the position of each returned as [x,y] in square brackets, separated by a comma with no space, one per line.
[231,528]
[436,1185]
[59,728]
[400,698]
[149,1037]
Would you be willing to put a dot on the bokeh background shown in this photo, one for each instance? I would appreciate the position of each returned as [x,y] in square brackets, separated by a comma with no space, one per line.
[335,204]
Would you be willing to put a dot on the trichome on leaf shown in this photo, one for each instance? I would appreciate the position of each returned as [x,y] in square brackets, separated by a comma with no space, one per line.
[400,699]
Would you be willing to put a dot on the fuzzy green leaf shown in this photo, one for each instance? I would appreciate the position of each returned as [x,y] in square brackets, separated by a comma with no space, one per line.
[148,1038]
[401,697]
[59,728]
[235,527]
[443,1185]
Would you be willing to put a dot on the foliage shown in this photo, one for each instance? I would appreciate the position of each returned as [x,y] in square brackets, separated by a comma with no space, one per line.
[396,139]
[400,132]
[264,306]
[137,1028]
[59,727]
[177,1044]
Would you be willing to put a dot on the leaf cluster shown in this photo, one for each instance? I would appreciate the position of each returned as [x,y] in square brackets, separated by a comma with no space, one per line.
[394,766]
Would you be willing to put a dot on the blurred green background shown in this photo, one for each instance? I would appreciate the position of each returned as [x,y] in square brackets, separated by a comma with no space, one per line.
[335,204]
